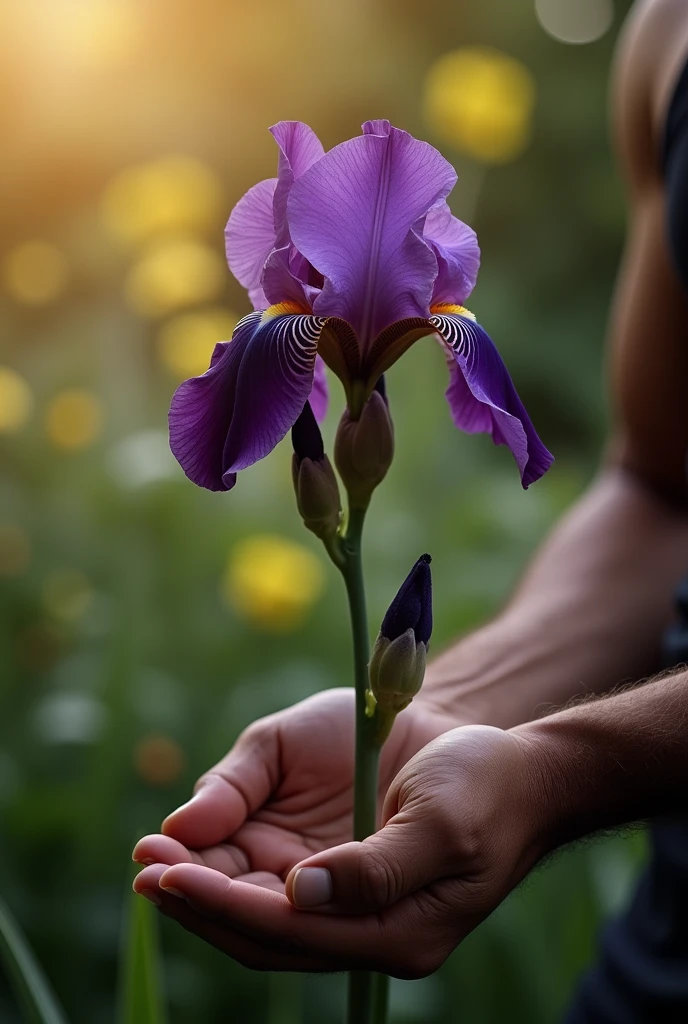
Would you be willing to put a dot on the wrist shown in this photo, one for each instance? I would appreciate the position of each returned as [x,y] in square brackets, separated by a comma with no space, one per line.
[608,762]
[550,769]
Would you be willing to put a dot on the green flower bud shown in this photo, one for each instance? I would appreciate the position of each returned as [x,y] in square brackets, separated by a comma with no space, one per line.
[363,449]
[317,495]
[397,668]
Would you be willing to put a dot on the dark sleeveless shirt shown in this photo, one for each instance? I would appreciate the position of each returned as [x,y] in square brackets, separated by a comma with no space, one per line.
[675,163]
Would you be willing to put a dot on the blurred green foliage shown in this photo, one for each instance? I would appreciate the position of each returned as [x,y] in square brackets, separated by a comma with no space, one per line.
[124,672]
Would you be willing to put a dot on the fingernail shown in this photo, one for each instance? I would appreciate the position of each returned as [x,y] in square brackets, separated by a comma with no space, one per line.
[311,887]
[150,895]
[173,892]
[146,861]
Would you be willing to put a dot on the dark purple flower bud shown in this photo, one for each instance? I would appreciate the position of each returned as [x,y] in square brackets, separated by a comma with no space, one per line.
[364,448]
[315,485]
[397,665]
[412,607]
[306,437]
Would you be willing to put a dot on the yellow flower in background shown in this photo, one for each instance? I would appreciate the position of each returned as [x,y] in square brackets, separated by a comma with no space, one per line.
[159,760]
[67,594]
[74,419]
[272,581]
[171,194]
[35,273]
[185,343]
[481,101]
[16,401]
[15,550]
[174,274]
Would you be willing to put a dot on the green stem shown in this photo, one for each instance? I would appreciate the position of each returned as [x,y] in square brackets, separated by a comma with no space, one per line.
[367,1001]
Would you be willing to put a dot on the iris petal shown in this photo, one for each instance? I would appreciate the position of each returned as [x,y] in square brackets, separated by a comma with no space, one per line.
[246,402]
[250,237]
[352,215]
[456,247]
[299,147]
[320,397]
[482,397]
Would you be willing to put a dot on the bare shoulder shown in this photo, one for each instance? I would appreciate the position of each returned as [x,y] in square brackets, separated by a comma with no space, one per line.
[652,48]
[649,355]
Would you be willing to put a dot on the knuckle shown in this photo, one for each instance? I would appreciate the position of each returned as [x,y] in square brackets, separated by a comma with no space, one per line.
[377,879]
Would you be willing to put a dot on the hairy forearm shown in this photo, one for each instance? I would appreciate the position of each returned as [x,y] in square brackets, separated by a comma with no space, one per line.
[608,762]
[588,614]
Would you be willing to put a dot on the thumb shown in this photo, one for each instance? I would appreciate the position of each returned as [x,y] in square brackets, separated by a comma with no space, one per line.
[359,878]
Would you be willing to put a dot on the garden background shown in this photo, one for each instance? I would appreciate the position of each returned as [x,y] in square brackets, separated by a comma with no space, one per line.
[144,622]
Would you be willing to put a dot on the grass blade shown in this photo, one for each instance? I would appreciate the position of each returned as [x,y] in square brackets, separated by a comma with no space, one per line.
[25,974]
[141,999]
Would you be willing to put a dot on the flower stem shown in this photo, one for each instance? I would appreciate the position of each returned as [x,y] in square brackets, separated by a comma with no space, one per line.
[367,1002]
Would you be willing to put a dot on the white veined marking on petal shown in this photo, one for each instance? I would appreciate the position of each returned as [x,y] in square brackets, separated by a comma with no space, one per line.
[457,331]
[255,315]
[296,338]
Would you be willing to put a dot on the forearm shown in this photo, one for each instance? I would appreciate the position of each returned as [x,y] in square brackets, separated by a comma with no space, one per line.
[588,614]
[609,762]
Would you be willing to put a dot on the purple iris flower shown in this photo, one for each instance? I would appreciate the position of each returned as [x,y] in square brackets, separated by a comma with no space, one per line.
[348,257]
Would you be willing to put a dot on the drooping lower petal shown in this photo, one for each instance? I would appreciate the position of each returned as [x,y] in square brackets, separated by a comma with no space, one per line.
[482,397]
[319,397]
[250,237]
[455,245]
[256,386]
[352,216]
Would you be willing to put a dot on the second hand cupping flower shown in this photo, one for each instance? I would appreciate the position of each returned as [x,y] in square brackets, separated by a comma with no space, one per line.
[348,257]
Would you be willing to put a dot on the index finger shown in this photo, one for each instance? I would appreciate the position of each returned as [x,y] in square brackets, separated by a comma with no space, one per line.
[387,942]
[228,793]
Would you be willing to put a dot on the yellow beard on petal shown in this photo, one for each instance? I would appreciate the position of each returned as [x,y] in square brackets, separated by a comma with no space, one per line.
[447,308]
[282,309]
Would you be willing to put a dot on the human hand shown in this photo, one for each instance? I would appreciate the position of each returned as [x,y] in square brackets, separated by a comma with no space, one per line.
[460,830]
[284,792]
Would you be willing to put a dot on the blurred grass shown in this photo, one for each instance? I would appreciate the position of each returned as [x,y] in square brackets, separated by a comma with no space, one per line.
[141,998]
[124,671]
[32,990]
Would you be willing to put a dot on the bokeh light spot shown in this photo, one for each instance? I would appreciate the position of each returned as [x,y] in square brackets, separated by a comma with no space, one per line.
[174,274]
[67,594]
[15,550]
[69,718]
[272,581]
[159,760]
[74,419]
[583,21]
[175,193]
[142,458]
[481,101]
[35,273]
[186,343]
[16,401]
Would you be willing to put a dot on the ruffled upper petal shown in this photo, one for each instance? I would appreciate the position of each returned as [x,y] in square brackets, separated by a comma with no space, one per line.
[286,278]
[482,397]
[246,402]
[250,237]
[352,214]
[299,148]
[456,247]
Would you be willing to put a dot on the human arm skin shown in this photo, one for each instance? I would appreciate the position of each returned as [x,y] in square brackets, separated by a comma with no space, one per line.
[463,822]
[608,762]
[590,610]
